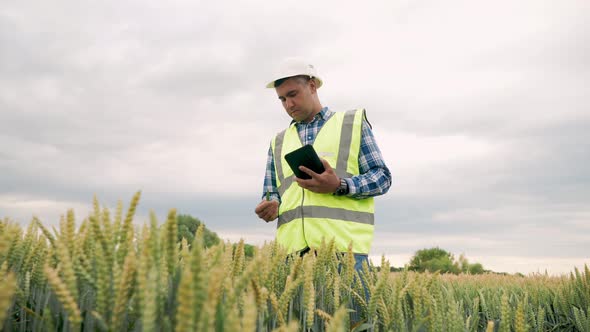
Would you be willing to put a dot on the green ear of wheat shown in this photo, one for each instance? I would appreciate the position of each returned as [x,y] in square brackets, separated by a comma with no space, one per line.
[107,276]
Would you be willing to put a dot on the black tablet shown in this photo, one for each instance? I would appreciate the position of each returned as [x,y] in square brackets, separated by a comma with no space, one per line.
[304,156]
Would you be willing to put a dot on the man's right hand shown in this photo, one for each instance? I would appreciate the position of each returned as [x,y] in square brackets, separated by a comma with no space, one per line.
[267,210]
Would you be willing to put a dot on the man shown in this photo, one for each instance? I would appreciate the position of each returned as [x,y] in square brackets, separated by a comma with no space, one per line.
[337,203]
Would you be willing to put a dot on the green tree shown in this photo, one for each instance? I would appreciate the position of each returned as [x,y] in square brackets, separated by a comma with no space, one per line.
[465,267]
[248,250]
[187,227]
[433,259]
[476,268]
[436,259]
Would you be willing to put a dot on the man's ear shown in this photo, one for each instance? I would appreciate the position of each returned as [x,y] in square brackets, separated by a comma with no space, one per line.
[313,85]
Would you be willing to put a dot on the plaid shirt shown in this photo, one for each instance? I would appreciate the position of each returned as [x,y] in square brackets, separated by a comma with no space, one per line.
[374,178]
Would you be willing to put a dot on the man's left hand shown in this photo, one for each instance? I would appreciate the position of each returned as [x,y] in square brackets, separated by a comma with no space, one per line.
[325,183]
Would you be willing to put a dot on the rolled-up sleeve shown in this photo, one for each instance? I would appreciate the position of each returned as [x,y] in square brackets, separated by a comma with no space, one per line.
[270,184]
[375,178]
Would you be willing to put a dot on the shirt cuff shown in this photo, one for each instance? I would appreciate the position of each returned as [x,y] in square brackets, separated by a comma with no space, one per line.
[352,189]
[272,197]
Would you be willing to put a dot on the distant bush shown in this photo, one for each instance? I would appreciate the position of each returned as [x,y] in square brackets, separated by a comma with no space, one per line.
[439,260]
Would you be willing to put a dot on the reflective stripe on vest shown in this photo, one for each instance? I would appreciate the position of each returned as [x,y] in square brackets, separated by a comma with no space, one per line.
[304,216]
[326,212]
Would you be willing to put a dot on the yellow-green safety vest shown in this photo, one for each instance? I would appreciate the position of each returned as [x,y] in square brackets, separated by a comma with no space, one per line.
[306,217]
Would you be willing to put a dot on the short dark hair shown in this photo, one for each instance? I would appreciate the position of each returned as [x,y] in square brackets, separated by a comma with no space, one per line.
[301,78]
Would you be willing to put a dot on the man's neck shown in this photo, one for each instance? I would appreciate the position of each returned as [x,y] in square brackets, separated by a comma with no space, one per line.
[316,112]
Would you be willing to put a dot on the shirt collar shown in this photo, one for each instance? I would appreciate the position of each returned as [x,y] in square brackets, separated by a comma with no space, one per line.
[323,114]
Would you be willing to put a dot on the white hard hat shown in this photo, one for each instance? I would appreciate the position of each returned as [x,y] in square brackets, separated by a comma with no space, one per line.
[295,67]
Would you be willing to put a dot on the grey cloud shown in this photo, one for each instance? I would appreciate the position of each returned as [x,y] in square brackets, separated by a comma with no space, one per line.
[540,234]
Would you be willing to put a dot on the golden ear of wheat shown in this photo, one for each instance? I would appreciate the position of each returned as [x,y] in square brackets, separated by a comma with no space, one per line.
[309,290]
[64,296]
[7,290]
[250,312]
[124,290]
[171,238]
[126,234]
[185,299]
[339,321]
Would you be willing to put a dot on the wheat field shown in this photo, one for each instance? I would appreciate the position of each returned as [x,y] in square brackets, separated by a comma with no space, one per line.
[103,273]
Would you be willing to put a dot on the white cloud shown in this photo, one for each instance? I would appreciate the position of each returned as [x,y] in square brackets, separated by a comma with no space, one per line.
[22,209]
[417,152]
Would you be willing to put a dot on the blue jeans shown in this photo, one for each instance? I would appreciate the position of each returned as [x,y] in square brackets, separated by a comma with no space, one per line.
[358,267]
[358,261]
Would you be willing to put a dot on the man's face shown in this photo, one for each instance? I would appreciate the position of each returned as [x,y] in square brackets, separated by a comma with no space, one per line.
[297,98]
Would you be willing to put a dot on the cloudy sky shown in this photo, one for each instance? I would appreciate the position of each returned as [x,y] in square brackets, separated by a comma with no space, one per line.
[481,110]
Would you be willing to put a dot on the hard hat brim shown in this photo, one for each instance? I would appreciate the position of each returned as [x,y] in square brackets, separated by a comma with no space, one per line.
[318,80]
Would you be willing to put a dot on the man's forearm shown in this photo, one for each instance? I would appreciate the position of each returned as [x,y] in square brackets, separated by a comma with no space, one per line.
[373,183]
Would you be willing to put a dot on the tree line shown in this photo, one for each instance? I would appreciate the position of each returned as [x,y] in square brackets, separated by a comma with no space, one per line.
[428,259]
